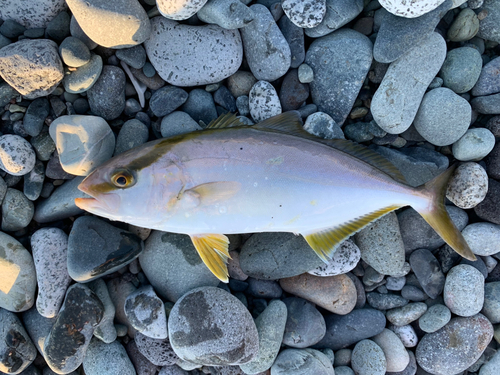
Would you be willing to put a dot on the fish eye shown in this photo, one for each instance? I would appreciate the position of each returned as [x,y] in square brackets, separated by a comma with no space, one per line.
[123,179]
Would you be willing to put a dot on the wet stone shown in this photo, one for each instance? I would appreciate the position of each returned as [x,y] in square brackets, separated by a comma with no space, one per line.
[157,351]
[305,326]
[436,317]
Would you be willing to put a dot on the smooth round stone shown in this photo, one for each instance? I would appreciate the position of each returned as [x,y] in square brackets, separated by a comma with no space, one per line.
[443,117]
[105,331]
[77,32]
[468,187]
[323,290]
[200,106]
[31,14]
[96,248]
[16,155]
[345,258]
[177,123]
[382,246]
[146,312]
[489,80]
[266,64]
[107,359]
[464,290]
[410,10]
[338,13]
[413,293]
[134,56]
[157,351]
[119,289]
[368,359]
[395,283]
[406,334]
[118,24]
[483,238]
[405,315]
[488,105]
[49,247]
[74,52]
[263,288]
[342,358]
[293,93]
[428,272]
[17,211]
[305,73]
[491,307]
[17,275]
[65,348]
[11,29]
[456,346]
[107,96]
[22,61]
[83,78]
[58,28]
[43,145]
[396,356]
[396,101]
[33,182]
[491,367]
[488,209]
[461,69]
[264,101]
[198,335]
[83,142]
[323,126]
[305,326]
[381,301]
[143,366]
[228,14]
[345,330]
[132,134]
[475,144]
[294,36]
[16,348]
[173,266]
[337,82]
[343,370]
[464,27]
[304,13]
[166,100]
[270,327]
[240,83]
[436,317]
[302,361]
[37,327]
[35,115]
[179,10]
[185,55]
[490,19]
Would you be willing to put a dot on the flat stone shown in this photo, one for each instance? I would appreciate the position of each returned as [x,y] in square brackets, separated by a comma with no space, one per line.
[345,258]
[461,69]
[157,351]
[483,238]
[16,155]
[475,144]
[368,358]
[200,106]
[468,186]
[405,315]
[31,14]
[302,361]
[228,14]
[263,101]
[133,56]
[17,211]
[84,77]
[179,10]
[428,272]
[107,359]
[435,318]
[338,13]
[105,330]
[489,79]
[464,290]
[305,326]
[107,95]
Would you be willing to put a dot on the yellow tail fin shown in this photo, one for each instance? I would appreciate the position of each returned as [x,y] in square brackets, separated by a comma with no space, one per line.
[437,217]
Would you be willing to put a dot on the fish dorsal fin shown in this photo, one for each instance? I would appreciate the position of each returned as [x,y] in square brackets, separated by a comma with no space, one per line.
[288,122]
[213,250]
[227,120]
[326,241]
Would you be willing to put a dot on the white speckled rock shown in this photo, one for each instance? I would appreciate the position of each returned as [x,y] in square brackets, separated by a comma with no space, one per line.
[464,290]
[179,9]
[483,238]
[345,258]
[264,101]
[185,55]
[17,157]
[31,14]
[410,9]
[304,13]
[112,24]
[406,334]
[474,145]
[468,186]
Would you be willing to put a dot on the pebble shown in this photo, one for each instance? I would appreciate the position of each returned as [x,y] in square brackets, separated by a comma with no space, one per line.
[368,359]
[395,283]
[172,265]
[200,106]
[35,115]
[483,238]
[58,28]
[228,14]
[29,14]
[179,11]
[302,361]
[293,93]
[263,288]
[12,29]
[119,289]
[337,83]
[305,326]
[489,79]
[16,349]
[344,330]
[37,327]
[65,348]
[323,290]
[405,315]
[470,337]
[491,367]
[294,36]
[488,105]
[240,83]
[20,62]
[491,307]
[132,134]
[185,55]
[107,359]
[488,209]
[338,13]
[157,351]
[381,301]
[105,330]
[133,56]
[468,186]
[345,258]
[17,211]
[343,370]
[17,157]
[490,19]
[396,356]
[266,64]
[264,101]
[413,293]
[428,272]
[140,363]
[198,335]
[475,144]
[270,327]
[120,24]
[177,123]
[33,182]
[74,52]
[396,101]
[435,318]
[464,27]
[406,334]
[323,126]
[83,78]
[382,246]
[412,10]
[464,290]
[107,95]
[166,99]
[304,13]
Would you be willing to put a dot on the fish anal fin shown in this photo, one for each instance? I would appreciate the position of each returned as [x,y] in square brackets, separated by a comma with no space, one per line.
[214,192]
[213,250]
[227,120]
[324,242]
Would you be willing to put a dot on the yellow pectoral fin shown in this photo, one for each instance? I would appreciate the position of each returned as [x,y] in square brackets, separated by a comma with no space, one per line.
[325,242]
[213,250]
[214,192]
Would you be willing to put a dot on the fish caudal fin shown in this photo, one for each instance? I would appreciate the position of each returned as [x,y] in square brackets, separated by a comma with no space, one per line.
[437,217]
[213,250]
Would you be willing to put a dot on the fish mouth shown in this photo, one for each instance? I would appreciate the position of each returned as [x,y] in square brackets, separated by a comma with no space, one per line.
[99,204]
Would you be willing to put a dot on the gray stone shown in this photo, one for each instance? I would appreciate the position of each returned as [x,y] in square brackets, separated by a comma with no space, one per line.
[304,13]
[166,99]
[381,301]
[395,283]
[475,144]
[17,211]
[119,289]
[428,272]
[77,32]
[228,14]
[483,238]
[405,315]
[240,83]
[270,327]
[368,359]
[338,13]
[305,73]
[33,181]
[177,123]
[22,61]
[468,186]
[294,36]
[411,369]
[337,82]
[202,338]
[396,356]
[396,101]
[488,105]
[464,290]
[464,27]
[323,126]
[58,28]
[179,11]
[413,293]
[74,52]
[491,367]
[84,77]
[107,359]
[132,134]
[43,145]
[305,326]
[35,115]
[263,101]
[436,317]
[343,370]
[263,288]
[489,22]
[267,64]
[406,334]
[345,258]
[489,79]
[200,106]
[157,351]
[302,361]
[293,95]
[133,56]
[31,14]
[107,95]
[491,307]
[185,55]
[17,156]
[470,337]
[412,10]
[105,330]
[38,327]
[141,363]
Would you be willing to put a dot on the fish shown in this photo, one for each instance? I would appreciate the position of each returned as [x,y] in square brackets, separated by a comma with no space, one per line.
[269,177]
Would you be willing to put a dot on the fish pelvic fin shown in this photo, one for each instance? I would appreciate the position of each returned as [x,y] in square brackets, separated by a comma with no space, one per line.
[325,242]
[437,217]
[213,250]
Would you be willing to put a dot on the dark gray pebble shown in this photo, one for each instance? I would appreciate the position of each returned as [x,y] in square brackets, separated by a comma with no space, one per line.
[166,100]
[35,115]
[107,96]
[385,301]
[305,326]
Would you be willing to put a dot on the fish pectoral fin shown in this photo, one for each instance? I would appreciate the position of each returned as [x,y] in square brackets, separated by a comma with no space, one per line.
[324,242]
[214,192]
[213,250]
